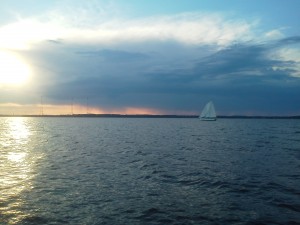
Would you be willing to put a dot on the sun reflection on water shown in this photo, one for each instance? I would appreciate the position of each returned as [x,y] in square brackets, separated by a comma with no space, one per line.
[16,157]
[16,167]
[18,130]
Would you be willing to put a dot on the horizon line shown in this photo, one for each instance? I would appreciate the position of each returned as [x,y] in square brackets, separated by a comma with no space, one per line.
[116,115]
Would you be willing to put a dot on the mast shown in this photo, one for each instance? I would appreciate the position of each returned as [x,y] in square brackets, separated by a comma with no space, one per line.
[87,105]
[72,106]
[41,107]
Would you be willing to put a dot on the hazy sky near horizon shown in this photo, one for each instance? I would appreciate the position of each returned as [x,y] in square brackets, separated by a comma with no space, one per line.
[141,56]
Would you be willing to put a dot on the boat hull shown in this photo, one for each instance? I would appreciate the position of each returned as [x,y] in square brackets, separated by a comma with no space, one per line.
[208,119]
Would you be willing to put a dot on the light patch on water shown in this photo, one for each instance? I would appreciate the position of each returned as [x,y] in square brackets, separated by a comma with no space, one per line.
[18,130]
[16,156]
[17,167]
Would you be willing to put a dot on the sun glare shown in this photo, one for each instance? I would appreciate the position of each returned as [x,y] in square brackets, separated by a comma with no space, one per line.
[13,71]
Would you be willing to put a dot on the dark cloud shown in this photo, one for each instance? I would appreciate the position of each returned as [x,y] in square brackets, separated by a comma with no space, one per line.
[240,60]
[115,55]
[290,40]
[239,79]
[56,41]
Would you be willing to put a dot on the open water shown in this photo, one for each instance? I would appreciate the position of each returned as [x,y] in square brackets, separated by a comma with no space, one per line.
[149,171]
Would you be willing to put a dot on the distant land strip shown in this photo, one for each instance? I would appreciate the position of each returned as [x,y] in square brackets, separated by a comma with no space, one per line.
[152,116]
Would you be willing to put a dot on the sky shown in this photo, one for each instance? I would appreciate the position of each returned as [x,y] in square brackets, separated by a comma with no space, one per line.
[150,57]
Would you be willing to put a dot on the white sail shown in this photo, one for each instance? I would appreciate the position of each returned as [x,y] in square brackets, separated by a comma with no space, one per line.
[208,112]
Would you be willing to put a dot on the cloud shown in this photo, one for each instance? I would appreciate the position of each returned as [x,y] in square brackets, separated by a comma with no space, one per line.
[192,29]
[188,28]
[274,34]
[288,51]
[242,74]
[114,55]
[27,32]
[169,63]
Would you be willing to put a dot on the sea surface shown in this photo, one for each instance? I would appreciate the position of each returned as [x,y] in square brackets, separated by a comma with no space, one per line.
[90,171]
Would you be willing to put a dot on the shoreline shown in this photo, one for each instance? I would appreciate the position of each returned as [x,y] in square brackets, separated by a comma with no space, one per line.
[152,116]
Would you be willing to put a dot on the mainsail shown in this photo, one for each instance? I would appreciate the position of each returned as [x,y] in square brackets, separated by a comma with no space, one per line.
[208,112]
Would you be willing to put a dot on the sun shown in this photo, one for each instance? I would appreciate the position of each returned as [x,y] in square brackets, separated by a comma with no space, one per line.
[13,70]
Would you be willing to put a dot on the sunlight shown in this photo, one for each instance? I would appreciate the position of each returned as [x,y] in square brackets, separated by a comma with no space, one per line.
[16,167]
[19,131]
[16,156]
[141,111]
[13,71]
[23,33]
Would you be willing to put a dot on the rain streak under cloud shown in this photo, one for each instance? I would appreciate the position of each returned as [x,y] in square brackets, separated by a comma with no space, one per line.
[116,57]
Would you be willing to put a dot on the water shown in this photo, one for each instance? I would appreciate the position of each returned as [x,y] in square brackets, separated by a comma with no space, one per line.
[149,171]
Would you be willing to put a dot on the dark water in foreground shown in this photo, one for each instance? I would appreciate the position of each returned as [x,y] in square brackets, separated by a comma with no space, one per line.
[149,171]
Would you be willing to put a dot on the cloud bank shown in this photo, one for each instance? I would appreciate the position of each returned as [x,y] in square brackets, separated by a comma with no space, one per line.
[166,64]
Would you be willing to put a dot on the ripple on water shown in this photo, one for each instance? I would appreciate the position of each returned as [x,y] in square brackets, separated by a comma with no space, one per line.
[149,171]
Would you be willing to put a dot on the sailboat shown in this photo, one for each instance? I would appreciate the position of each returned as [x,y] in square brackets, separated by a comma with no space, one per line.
[208,113]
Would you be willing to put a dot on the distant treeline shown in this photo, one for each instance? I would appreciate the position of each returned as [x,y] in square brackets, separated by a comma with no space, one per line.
[155,116]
